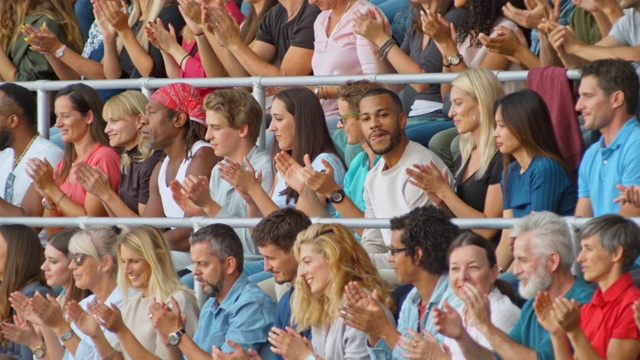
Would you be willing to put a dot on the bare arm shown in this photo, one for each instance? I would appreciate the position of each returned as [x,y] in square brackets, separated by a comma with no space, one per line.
[31,205]
[503,251]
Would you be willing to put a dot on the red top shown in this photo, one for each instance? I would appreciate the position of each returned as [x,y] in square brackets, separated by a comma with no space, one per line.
[102,156]
[609,315]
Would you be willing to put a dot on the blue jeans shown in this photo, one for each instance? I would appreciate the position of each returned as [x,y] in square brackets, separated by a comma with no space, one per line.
[422,130]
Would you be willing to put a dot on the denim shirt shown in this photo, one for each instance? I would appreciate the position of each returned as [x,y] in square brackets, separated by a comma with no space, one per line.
[409,317]
[245,317]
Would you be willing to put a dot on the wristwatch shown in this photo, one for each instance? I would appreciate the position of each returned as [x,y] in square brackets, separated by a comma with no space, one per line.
[60,52]
[39,351]
[46,205]
[313,356]
[453,59]
[336,197]
[66,336]
[174,338]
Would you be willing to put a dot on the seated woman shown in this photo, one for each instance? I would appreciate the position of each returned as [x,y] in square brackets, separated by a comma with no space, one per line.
[79,118]
[605,327]
[301,138]
[123,114]
[478,170]
[329,258]
[57,273]
[94,265]
[418,53]
[19,56]
[127,52]
[20,260]
[146,266]
[184,60]
[472,270]
[538,179]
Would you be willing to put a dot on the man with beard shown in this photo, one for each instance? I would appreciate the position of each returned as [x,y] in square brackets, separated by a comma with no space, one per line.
[543,255]
[387,191]
[19,142]
[237,310]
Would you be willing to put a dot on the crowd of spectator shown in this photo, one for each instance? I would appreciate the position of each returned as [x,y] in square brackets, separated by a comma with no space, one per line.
[418,154]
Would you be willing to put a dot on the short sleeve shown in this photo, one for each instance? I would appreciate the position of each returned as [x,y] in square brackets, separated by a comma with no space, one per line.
[583,173]
[303,35]
[548,182]
[631,164]
[107,159]
[144,176]
[267,24]
[622,28]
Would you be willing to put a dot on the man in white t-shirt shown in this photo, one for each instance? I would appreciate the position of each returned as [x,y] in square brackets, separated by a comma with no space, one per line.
[387,191]
[19,142]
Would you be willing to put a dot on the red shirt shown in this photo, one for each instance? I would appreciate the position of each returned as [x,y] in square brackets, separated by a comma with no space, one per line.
[609,315]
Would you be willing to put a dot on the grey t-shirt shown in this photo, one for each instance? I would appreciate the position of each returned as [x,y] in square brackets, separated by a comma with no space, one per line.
[626,31]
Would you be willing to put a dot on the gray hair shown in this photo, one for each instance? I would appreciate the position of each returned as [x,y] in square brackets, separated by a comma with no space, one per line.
[96,241]
[223,242]
[615,231]
[550,234]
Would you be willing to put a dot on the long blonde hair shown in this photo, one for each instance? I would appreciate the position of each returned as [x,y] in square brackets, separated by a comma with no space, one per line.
[128,103]
[153,9]
[348,261]
[149,244]
[484,88]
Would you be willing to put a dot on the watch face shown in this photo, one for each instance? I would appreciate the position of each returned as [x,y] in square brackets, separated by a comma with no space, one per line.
[174,339]
[455,59]
[39,353]
[336,197]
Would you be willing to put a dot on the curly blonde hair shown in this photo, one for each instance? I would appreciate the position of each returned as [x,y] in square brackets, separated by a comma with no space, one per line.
[348,261]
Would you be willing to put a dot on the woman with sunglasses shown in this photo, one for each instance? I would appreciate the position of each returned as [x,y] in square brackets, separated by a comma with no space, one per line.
[20,259]
[57,273]
[93,262]
[146,266]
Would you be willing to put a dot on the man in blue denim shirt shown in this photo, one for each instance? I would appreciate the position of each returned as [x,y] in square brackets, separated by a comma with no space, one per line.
[418,253]
[237,310]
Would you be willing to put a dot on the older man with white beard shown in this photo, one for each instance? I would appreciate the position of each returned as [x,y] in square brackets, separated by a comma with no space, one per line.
[543,254]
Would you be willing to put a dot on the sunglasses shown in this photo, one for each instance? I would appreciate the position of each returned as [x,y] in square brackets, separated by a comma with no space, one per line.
[343,118]
[78,259]
[392,251]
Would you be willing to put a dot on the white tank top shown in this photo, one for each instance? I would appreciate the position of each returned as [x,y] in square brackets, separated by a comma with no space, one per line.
[171,209]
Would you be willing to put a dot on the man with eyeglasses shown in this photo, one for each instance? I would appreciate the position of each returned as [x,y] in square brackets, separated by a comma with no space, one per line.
[418,254]
[19,142]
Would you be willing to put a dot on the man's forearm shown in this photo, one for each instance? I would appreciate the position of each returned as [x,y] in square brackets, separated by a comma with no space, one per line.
[505,346]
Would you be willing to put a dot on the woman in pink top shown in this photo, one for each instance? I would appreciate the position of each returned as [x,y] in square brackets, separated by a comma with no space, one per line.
[79,117]
[337,49]
[185,61]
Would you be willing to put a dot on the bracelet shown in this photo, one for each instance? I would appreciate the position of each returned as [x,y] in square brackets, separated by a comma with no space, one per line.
[59,199]
[183,59]
[386,47]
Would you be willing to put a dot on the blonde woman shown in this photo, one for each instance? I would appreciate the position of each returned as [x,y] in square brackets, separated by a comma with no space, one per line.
[329,258]
[478,168]
[123,114]
[127,50]
[146,266]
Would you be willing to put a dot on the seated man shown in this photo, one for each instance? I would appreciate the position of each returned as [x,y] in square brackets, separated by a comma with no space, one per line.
[233,126]
[543,255]
[237,310]
[19,142]
[603,328]
[418,253]
[609,92]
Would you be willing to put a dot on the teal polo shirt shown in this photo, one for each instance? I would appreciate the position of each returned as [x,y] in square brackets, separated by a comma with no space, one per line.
[355,177]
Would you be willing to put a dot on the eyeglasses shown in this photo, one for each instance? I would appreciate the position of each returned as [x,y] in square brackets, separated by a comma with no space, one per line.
[343,118]
[392,251]
[78,259]
[8,187]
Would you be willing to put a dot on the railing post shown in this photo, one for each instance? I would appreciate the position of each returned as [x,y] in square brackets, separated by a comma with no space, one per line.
[259,95]
[44,112]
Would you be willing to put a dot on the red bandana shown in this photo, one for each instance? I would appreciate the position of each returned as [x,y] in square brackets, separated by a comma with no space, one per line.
[181,97]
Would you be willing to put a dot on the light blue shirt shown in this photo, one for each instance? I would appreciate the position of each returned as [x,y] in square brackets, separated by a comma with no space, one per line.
[233,205]
[604,167]
[355,177]
[245,317]
[528,331]
[86,348]
[409,317]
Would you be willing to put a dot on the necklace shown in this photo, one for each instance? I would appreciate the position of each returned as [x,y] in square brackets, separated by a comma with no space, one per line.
[17,161]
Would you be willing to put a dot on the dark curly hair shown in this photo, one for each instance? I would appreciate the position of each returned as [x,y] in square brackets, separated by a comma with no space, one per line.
[429,229]
[479,18]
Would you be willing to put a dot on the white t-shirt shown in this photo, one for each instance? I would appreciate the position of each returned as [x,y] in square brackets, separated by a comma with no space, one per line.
[387,193]
[41,148]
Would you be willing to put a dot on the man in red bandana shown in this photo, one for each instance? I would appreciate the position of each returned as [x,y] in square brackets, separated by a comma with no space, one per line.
[173,123]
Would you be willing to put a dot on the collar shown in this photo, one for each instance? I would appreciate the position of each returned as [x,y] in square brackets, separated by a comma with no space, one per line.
[437,294]
[614,291]
[233,294]
[621,136]
[134,151]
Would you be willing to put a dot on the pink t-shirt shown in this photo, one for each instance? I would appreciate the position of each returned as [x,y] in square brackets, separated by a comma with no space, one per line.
[102,156]
[342,52]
